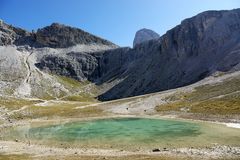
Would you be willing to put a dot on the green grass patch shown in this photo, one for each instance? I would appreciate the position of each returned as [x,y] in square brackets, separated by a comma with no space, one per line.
[66,81]
[84,97]
[81,91]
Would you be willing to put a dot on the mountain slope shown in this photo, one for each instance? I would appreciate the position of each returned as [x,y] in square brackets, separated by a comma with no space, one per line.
[20,52]
[197,48]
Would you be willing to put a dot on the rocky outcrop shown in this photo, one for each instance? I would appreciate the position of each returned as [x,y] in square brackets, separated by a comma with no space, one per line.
[144,35]
[8,34]
[53,36]
[61,36]
[97,67]
[78,66]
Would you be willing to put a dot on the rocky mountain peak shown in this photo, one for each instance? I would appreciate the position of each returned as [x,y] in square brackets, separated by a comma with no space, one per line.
[144,35]
[54,36]
[61,36]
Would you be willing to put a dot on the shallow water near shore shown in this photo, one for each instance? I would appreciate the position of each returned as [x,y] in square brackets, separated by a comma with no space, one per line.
[131,133]
[131,130]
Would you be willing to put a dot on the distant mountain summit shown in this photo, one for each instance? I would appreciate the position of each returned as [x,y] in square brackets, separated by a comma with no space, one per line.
[54,36]
[144,35]
[60,36]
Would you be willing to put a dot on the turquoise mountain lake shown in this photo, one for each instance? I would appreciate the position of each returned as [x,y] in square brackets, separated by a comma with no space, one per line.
[134,129]
[130,133]
[116,132]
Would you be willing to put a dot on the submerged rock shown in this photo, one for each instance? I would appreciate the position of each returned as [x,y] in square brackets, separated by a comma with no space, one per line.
[156,150]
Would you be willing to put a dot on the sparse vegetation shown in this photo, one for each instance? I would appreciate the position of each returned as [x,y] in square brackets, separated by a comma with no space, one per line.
[15,103]
[70,82]
[15,157]
[84,97]
[82,91]
[222,98]
[60,110]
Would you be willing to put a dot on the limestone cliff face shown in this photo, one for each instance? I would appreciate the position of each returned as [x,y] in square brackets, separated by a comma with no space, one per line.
[97,67]
[193,50]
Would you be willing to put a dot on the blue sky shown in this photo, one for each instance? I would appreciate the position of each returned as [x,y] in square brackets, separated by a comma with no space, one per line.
[115,20]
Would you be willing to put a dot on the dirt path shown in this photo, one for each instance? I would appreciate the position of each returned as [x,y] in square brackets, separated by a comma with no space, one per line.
[29,73]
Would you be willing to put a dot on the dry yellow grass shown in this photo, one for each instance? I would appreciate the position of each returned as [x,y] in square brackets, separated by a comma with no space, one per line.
[64,110]
[222,98]
[14,103]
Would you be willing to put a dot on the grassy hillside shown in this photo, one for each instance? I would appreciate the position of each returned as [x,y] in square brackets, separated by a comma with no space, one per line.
[222,98]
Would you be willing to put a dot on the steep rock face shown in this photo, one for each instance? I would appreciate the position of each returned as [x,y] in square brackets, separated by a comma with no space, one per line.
[200,46]
[112,63]
[144,35]
[97,67]
[75,65]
